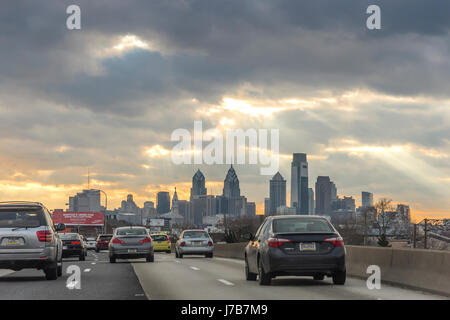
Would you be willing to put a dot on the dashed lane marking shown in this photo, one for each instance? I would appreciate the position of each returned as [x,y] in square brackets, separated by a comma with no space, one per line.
[225,282]
[195,268]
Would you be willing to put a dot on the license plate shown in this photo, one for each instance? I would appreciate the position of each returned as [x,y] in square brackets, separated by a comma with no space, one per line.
[197,243]
[307,246]
[12,242]
[132,250]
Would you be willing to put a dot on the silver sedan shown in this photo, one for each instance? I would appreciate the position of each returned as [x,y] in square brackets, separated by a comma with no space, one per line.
[194,242]
[131,243]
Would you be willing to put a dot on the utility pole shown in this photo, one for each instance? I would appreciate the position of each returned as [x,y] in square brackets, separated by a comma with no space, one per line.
[425,234]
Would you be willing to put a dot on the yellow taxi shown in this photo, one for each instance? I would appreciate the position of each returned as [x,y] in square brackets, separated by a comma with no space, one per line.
[161,242]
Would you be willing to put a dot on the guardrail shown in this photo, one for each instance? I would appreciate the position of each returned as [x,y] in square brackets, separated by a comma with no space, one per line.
[419,269]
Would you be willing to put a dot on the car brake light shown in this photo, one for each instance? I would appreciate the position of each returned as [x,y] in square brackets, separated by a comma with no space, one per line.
[168,239]
[117,241]
[44,236]
[182,244]
[75,242]
[146,240]
[276,242]
[210,243]
[336,241]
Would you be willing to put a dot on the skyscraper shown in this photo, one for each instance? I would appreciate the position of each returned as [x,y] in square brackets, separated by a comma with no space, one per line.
[323,195]
[277,193]
[267,207]
[198,184]
[163,204]
[231,184]
[367,199]
[299,183]
[311,201]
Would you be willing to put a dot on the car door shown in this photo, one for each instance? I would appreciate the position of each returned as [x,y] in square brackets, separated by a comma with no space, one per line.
[253,247]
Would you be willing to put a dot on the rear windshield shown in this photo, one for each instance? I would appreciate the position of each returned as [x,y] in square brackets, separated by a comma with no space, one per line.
[69,236]
[301,225]
[131,232]
[159,237]
[195,234]
[104,238]
[22,218]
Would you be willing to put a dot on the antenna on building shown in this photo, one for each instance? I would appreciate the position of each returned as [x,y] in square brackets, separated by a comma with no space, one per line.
[89,181]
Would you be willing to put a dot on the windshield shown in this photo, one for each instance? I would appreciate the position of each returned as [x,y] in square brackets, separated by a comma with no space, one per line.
[132,232]
[22,218]
[104,238]
[195,234]
[301,225]
[69,236]
[159,237]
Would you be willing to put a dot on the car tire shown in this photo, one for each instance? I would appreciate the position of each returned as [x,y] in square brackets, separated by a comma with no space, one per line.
[264,278]
[176,254]
[339,277]
[60,269]
[112,259]
[51,273]
[82,257]
[209,255]
[180,255]
[168,251]
[150,258]
[319,277]
[249,276]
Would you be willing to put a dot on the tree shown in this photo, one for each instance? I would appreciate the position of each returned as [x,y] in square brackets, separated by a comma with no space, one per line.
[382,241]
[384,218]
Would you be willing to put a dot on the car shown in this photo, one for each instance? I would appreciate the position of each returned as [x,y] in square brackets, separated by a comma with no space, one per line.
[102,242]
[295,245]
[90,243]
[73,245]
[131,243]
[29,239]
[194,241]
[161,242]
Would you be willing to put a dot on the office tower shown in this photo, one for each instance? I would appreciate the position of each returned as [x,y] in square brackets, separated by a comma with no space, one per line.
[334,196]
[323,195]
[277,193]
[250,210]
[86,201]
[367,199]
[299,183]
[311,206]
[163,202]
[267,207]
[198,184]
[231,184]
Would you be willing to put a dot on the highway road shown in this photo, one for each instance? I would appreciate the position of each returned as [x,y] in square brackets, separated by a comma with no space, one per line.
[192,277]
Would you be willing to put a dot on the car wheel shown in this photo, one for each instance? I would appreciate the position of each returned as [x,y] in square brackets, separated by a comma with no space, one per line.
[112,259]
[176,254]
[339,277]
[209,255]
[97,250]
[51,273]
[264,278]
[82,257]
[168,251]
[60,269]
[150,258]
[319,277]
[180,255]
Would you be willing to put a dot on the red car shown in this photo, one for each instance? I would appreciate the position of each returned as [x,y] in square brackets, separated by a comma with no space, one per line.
[102,242]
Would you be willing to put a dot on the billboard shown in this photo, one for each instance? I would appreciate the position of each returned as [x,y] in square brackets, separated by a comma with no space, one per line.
[79,218]
[156,222]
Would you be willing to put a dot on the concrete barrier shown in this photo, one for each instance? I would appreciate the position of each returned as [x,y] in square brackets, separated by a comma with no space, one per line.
[420,269]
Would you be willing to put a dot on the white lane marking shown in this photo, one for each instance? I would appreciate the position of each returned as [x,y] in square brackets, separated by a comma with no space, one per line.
[195,268]
[87,270]
[4,272]
[177,261]
[228,283]
[93,263]
[139,295]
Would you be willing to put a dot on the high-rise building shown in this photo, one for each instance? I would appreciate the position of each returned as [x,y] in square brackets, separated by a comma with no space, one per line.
[311,201]
[231,184]
[277,193]
[299,183]
[198,184]
[267,207]
[163,202]
[250,210]
[367,199]
[86,201]
[334,196]
[323,195]
[345,203]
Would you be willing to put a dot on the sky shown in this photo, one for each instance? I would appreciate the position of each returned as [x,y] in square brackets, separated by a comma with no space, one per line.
[369,107]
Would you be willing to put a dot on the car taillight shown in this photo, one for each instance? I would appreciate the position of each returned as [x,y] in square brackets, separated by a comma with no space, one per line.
[336,241]
[44,236]
[276,242]
[210,243]
[168,239]
[117,241]
[75,242]
[182,244]
[146,240]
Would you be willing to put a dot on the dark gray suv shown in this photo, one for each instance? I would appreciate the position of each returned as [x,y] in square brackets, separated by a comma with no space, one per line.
[28,238]
[295,245]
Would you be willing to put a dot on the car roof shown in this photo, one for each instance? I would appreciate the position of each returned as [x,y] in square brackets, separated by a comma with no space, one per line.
[194,230]
[21,204]
[297,216]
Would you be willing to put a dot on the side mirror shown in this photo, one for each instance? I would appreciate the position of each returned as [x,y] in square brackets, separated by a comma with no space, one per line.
[247,236]
[60,227]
